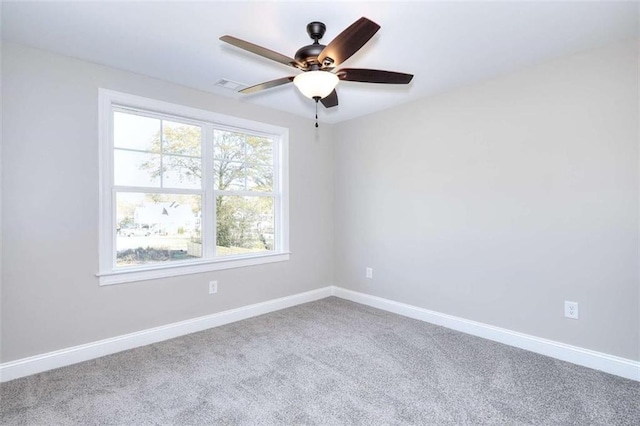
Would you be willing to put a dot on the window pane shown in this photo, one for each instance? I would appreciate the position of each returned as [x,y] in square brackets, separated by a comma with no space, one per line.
[157,228]
[181,172]
[259,150]
[245,225]
[259,177]
[243,162]
[183,139]
[136,132]
[136,168]
[228,146]
[228,175]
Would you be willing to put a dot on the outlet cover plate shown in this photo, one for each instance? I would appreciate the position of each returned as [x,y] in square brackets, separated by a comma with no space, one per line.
[571,309]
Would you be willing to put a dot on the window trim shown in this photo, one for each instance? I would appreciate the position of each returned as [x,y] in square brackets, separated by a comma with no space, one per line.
[110,274]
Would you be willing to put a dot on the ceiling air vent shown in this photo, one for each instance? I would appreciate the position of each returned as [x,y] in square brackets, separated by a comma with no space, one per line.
[230,84]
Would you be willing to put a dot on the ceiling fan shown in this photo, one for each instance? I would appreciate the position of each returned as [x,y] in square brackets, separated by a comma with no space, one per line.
[319,79]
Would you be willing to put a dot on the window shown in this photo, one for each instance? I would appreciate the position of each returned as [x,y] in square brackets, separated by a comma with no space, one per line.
[186,190]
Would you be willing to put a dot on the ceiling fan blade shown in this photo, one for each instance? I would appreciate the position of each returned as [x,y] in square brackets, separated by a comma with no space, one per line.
[267,85]
[261,51]
[348,42]
[373,76]
[331,100]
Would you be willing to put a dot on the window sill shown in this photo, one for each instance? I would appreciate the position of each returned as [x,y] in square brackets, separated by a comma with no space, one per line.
[150,272]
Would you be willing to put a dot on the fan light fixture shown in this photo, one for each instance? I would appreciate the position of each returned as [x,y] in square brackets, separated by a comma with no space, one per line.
[316,84]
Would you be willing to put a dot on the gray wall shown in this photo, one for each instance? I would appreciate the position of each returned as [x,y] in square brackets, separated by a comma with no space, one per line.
[495,202]
[50,295]
[498,201]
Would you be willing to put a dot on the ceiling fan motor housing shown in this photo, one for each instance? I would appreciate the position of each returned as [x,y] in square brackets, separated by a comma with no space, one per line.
[308,55]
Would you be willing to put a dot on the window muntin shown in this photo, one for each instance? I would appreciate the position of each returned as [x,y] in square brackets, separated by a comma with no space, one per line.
[188,189]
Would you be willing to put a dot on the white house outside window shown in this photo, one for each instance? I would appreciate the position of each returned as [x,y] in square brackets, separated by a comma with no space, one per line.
[186,190]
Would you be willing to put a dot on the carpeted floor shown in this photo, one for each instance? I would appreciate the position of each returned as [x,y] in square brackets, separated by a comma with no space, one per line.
[330,362]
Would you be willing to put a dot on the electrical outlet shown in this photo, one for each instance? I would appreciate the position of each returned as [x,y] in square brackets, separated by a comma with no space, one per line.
[213,287]
[369,272]
[571,309]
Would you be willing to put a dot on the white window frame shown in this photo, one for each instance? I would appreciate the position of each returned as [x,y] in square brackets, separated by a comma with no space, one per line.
[109,273]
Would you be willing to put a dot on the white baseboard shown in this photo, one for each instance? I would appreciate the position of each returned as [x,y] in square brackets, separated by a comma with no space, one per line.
[597,360]
[49,361]
[585,357]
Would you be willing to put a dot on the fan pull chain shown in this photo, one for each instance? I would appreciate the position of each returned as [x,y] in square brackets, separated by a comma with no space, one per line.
[316,113]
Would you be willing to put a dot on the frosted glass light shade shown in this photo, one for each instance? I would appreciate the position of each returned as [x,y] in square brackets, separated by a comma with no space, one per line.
[316,83]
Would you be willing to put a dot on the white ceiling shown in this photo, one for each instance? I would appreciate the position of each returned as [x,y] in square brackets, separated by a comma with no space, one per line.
[445,44]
